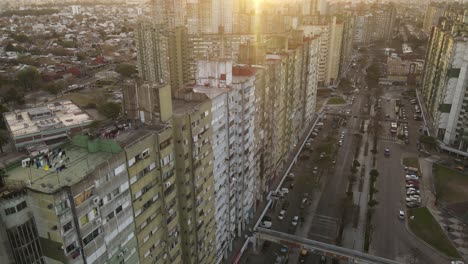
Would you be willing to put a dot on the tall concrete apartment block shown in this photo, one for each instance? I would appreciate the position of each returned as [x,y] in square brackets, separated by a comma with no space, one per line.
[194,170]
[70,205]
[285,95]
[347,43]
[210,16]
[231,90]
[445,80]
[152,49]
[376,24]
[433,13]
[331,38]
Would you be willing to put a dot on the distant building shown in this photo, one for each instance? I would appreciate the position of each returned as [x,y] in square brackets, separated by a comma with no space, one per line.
[152,55]
[403,71]
[376,24]
[46,125]
[433,13]
[76,9]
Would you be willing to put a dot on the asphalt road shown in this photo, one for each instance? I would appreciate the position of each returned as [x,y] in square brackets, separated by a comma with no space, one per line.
[390,237]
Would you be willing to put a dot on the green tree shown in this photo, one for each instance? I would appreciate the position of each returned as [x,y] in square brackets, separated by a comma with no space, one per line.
[10,47]
[13,95]
[110,110]
[54,88]
[81,56]
[4,139]
[29,78]
[21,38]
[3,109]
[125,70]
[373,75]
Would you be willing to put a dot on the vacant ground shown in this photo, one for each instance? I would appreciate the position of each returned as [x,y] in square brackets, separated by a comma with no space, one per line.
[426,227]
[336,100]
[451,185]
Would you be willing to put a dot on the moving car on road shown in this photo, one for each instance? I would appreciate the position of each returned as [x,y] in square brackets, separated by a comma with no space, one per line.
[401,215]
[387,152]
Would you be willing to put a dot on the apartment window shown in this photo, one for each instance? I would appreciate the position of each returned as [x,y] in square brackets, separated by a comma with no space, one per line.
[110,216]
[168,174]
[21,206]
[91,236]
[10,210]
[84,220]
[62,206]
[80,198]
[67,227]
[165,143]
[116,192]
[119,169]
[166,160]
[70,247]
[131,162]
[118,210]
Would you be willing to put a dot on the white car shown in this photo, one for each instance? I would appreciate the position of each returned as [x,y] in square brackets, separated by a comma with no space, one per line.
[315,170]
[281,214]
[284,190]
[295,220]
[401,215]
[411,177]
[409,192]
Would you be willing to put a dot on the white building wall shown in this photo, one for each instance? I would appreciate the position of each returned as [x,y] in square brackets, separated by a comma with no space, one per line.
[456,91]
[220,145]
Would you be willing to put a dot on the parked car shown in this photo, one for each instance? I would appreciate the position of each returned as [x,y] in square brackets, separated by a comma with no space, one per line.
[295,220]
[281,214]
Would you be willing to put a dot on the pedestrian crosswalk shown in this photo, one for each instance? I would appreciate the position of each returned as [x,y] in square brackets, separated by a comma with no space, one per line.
[388,138]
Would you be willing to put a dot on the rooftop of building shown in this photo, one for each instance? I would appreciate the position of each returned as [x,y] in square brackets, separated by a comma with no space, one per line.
[186,101]
[77,158]
[56,115]
[135,131]
[210,92]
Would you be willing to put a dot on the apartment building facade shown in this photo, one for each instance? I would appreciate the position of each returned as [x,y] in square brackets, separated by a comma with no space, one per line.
[445,81]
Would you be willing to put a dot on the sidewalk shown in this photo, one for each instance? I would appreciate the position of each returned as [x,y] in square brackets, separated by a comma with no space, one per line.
[239,241]
[353,238]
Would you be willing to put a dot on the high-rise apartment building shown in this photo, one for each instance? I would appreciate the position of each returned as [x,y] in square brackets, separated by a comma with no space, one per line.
[152,49]
[194,163]
[376,24]
[210,16]
[433,13]
[445,81]
[347,45]
[331,36]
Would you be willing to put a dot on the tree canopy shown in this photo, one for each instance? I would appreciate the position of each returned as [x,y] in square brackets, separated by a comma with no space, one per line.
[110,110]
[125,70]
[29,78]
